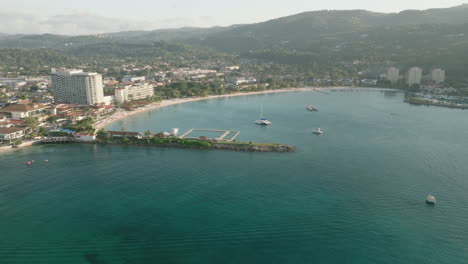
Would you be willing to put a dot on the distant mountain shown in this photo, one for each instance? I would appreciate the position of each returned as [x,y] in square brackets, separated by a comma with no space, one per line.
[125,37]
[357,39]
[306,28]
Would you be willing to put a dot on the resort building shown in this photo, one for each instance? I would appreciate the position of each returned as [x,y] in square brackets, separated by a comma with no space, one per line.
[438,75]
[414,76]
[136,91]
[77,87]
[20,111]
[7,134]
[393,74]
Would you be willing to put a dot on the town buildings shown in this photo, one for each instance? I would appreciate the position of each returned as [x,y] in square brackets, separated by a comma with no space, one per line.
[438,76]
[393,74]
[7,134]
[414,76]
[20,111]
[135,91]
[128,78]
[77,87]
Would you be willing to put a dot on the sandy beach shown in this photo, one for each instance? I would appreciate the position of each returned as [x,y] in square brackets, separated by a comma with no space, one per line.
[123,114]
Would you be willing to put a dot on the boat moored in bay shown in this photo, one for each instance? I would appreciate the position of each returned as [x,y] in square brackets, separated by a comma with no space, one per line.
[430,199]
[311,108]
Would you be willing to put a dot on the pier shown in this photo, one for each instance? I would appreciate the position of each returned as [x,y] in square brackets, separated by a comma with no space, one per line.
[226,135]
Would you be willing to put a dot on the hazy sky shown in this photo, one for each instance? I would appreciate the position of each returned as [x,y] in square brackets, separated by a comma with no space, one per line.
[98,16]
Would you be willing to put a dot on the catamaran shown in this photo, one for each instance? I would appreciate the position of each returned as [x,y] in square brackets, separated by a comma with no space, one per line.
[262,121]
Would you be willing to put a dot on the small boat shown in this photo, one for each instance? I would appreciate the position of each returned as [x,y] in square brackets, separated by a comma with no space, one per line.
[430,199]
[318,131]
[263,122]
[311,108]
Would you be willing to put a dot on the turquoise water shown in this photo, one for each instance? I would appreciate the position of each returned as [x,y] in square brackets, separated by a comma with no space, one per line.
[353,195]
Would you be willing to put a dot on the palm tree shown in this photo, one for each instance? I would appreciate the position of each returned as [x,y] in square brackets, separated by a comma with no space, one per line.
[148,133]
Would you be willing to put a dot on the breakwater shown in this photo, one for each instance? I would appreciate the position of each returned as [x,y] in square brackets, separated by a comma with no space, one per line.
[419,101]
[183,143]
[198,144]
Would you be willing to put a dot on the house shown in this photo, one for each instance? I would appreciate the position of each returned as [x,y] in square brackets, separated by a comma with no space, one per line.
[84,137]
[20,111]
[125,134]
[11,133]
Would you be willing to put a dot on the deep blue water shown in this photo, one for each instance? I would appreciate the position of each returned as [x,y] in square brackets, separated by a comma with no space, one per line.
[353,195]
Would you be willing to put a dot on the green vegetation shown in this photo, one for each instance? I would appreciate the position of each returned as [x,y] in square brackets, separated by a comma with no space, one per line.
[159,141]
[58,134]
[31,122]
[423,101]
[293,50]
[82,126]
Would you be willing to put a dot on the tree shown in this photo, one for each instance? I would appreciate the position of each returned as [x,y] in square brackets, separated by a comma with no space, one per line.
[31,122]
[43,131]
[52,119]
[103,134]
[147,133]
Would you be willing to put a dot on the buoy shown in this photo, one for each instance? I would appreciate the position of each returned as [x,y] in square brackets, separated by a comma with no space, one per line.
[33,161]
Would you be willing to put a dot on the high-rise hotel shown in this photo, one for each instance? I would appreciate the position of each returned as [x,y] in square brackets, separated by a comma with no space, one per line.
[414,76]
[393,74]
[77,87]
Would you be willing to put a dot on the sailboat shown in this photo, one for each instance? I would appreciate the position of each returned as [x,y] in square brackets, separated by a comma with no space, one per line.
[262,121]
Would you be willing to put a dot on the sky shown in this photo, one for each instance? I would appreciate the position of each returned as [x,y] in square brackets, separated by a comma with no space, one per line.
[100,16]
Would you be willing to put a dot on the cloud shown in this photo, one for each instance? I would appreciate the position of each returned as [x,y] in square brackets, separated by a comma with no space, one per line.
[83,22]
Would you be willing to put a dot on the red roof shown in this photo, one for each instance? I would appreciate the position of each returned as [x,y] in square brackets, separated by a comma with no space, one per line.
[9,130]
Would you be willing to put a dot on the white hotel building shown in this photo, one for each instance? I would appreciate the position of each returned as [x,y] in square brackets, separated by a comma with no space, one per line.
[77,87]
[438,75]
[136,91]
[393,74]
[414,76]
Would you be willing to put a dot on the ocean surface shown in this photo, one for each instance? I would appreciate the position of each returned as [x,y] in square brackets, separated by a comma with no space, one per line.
[355,194]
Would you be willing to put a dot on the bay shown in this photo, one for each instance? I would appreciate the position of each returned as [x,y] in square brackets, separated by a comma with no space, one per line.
[352,195]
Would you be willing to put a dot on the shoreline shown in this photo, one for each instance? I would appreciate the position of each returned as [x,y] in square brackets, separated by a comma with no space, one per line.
[26,144]
[121,114]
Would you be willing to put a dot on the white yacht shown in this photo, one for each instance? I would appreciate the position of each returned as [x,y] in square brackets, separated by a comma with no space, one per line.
[262,121]
[318,131]
[311,108]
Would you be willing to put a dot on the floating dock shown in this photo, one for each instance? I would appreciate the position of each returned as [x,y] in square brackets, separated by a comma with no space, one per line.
[226,135]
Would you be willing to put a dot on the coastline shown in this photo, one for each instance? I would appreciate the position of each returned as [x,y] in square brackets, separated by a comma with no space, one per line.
[123,114]
[26,144]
